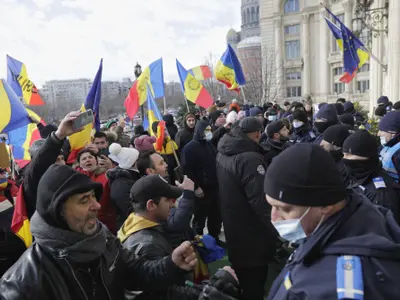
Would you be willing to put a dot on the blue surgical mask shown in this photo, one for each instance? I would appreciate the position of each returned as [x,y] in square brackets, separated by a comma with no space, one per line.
[272,118]
[291,230]
[208,136]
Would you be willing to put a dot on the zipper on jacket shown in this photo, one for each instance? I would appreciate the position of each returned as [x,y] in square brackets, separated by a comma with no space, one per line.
[105,287]
[114,263]
[76,279]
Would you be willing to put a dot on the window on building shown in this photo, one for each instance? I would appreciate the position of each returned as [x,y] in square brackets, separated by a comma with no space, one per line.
[293,76]
[294,91]
[292,49]
[335,46]
[364,68]
[366,37]
[253,14]
[363,86]
[338,71]
[291,6]
[258,13]
[248,15]
[292,29]
[338,88]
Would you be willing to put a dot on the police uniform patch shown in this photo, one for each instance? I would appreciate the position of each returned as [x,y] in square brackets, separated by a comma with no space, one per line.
[260,170]
[379,183]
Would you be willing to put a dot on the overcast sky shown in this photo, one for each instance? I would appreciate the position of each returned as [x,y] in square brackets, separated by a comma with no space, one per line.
[65,39]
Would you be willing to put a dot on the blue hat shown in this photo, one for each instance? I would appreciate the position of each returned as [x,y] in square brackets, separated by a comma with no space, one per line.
[383,100]
[390,122]
[255,111]
[328,113]
[348,106]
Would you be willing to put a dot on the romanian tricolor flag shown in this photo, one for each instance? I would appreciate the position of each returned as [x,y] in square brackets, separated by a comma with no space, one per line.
[80,139]
[153,76]
[12,112]
[194,91]
[201,72]
[229,71]
[355,55]
[22,138]
[20,224]
[153,113]
[17,78]
[159,145]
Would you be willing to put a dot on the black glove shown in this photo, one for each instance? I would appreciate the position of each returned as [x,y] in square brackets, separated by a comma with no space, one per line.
[222,286]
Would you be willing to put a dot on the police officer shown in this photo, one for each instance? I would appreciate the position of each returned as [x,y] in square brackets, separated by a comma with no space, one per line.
[365,172]
[348,247]
[302,132]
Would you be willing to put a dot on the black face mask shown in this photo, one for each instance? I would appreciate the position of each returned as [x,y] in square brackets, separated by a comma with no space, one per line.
[283,139]
[320,127]
[337,155]
[359,169]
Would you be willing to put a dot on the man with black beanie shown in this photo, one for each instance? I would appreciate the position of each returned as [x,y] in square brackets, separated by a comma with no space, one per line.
[325,117]
[251,239]
[302,132]
[347,119]
[367,177]
[75,256]
[340,235]
[278,139]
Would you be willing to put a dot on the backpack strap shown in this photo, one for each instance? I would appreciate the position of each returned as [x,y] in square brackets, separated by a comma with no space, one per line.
[349,278]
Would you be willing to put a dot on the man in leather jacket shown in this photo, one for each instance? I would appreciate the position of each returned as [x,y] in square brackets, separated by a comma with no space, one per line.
[75,256]
[142,233]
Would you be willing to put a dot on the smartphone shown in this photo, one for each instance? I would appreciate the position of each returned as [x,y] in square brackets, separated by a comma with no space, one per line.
[84,118]
[104,152]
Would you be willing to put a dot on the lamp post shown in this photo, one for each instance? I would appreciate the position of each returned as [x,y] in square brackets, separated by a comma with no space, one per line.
[138,71]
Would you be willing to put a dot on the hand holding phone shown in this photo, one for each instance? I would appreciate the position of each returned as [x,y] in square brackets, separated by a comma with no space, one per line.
[83,119]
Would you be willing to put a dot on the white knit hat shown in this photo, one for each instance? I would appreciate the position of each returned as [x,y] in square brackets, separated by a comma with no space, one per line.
[232,117]
[125,157]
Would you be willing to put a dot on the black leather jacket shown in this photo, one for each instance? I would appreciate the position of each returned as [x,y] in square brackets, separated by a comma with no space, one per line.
[42,274]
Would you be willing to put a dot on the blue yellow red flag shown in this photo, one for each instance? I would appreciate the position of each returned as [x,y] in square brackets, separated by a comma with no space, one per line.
[202,72]
[93,99]
[153,76]
[194,91]
[12,113]
[153,113]
[17,78]
[229,71]
[20,224]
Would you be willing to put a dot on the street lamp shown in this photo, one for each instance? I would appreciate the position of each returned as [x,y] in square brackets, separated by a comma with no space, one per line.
[374,19]
[138,71]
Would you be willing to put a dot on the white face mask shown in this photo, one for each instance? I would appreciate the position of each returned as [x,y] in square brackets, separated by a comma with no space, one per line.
[291,230]
[271,118]
[297,124]
[226,110]
[208,136]
[383,141]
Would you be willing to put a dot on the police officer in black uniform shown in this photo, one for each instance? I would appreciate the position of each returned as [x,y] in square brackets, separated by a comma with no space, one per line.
[348,248]
[367,177]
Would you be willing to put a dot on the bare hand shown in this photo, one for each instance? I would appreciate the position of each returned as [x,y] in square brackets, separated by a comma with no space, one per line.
[186,185]
[122,122]
[199,192]
[105,162]
[92,147]
[231,271]
[184,257]
[66,129]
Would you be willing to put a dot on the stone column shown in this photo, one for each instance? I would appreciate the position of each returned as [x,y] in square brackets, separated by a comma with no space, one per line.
[348,21]
[279,57]
[324,35]
[394,50]
[305,53]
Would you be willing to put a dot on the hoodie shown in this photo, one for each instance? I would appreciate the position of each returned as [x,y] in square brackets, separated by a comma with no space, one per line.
[360,229]
[171,127]
[133,224]
[185,135]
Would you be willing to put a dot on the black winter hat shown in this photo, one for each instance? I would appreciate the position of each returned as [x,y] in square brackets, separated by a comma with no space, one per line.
[383,100]
[339,108]
[348,107]
[45,131]
[215,115]
[56,185]
[300,115]
[380,111]
[390,122]
[347,119]
[321,104]
[274,127]
[361,143]
[250,124]
[305,175]
[328,113]
[336,135]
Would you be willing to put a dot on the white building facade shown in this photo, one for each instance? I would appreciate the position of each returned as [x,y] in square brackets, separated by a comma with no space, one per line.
[309,61]
[72,91]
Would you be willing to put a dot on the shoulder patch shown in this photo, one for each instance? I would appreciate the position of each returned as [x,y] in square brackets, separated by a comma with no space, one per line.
[379,183]
[349,278]
[261,170]
[312,134]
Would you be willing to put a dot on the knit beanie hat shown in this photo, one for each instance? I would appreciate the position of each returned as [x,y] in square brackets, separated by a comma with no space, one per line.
[111,122]
[250,125]
[305,175]
[396,106]
[241,114]
[328,113]
[300,115]
[255,111]
[361,143]
[383,100]
[339,108]
[390,122]
[215,115]
[232,117]
[274,127]
[348,107]
[336,135]
[56,185]
[347,119]
[125,157]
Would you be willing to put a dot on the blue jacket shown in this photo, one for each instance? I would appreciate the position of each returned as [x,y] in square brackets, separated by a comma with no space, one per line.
[360,229]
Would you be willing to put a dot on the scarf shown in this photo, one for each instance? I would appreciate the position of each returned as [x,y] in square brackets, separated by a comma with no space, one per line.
[77,247]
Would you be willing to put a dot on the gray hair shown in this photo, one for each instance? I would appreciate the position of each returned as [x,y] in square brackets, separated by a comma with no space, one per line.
[35,147]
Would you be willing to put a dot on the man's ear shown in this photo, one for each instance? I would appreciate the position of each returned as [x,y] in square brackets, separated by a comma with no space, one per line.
[150,205]
[149,171]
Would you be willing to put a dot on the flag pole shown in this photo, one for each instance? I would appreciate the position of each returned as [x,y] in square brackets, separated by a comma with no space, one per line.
[244,95]
[365,48]
[165,106]
[187,104]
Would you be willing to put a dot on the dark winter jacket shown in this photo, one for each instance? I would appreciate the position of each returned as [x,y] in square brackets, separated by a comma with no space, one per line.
[184,135]
[198,159]
[43,274]
[361,230]
[246,215]
[121,182]
[218,134]
[122,138]
[304,134]
[273,149]
[170,125]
